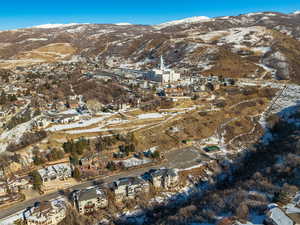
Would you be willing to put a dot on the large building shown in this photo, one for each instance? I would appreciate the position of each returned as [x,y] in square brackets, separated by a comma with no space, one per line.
[163,74]
[45,213]
[90,200]
[164,178]
[129,187]
[61,171]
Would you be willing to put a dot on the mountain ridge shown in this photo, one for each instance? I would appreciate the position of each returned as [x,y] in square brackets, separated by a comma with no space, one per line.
[249,43]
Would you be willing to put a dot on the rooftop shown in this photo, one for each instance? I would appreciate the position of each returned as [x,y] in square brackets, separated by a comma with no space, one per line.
[90,194]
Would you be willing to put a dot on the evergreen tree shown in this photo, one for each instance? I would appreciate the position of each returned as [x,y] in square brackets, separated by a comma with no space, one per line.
[76,174]
[37,180]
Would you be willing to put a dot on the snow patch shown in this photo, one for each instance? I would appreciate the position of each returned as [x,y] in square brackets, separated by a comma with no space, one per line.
[150,116]
[123,24]
[50,26]
[196,19]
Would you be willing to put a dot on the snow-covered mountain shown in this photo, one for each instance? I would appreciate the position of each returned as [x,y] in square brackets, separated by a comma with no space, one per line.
[51,26]
[260,44]
[195,19]
[123,24]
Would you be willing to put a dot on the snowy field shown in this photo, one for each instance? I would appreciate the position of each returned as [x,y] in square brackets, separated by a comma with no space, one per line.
[78,124]
[135,162]
[150,116]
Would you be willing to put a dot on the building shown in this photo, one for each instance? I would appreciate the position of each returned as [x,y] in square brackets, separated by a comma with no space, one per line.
[164,178]
[90,200]
[16,184]
[45,213]
[129,187]
[61,171]
[275,216]
[174,92]
[3,188]
[162,75]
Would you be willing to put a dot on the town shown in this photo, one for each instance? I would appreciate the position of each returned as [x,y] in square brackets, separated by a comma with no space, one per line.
[57,141]
[189,122]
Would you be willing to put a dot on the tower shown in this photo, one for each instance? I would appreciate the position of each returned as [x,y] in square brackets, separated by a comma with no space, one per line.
[162,66]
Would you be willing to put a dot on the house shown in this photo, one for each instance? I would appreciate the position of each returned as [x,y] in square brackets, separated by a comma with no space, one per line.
[3,188]
[2,114]
[45,213]
[41,122]
[164,178]
[89,159]
[276,216]
[15,184]
[129,187]
[90,200]
[73,103]
[173,92]
[67,118]
[61,171]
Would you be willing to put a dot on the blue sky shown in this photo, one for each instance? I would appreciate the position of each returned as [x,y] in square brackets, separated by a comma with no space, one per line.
[25,13]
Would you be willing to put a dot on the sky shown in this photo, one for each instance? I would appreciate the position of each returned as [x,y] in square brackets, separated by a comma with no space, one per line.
[25,13]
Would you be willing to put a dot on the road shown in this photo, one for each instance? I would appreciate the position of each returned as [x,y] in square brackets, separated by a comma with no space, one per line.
[178,158]
[15,208]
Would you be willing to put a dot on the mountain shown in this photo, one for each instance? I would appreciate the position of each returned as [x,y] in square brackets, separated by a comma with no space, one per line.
[49,26]
[262,44]
[196,19]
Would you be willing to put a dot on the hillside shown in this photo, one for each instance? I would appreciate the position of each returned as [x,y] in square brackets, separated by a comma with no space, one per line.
[262,44]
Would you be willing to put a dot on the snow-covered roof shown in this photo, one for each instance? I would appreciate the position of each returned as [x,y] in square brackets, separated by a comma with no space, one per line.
[277,216]
[55,170]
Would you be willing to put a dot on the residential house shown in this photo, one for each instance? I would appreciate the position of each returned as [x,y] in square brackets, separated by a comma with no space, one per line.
[174,92]
[16,184]
[61,171]
[41,122]
[2,114]
[45,213]
[89,159]
[3,188]
[129,187]
[164,178]
[90,200]
[276,216]
[73,103]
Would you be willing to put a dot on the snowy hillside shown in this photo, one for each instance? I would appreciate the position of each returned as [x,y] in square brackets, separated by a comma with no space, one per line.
[196,19]
[200,44]
[51,26]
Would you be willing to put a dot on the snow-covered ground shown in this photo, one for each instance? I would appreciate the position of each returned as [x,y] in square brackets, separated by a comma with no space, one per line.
[135,162]
[79,124]
[196,19]
[50,26]
[290,97]
[123,24]
[11,219]
[14,135]
[150,116]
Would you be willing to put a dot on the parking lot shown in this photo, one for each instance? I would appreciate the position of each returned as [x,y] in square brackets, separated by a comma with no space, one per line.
[186,157]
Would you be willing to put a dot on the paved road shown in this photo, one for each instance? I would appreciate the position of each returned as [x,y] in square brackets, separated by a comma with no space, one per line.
[177,158]
[6,212]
